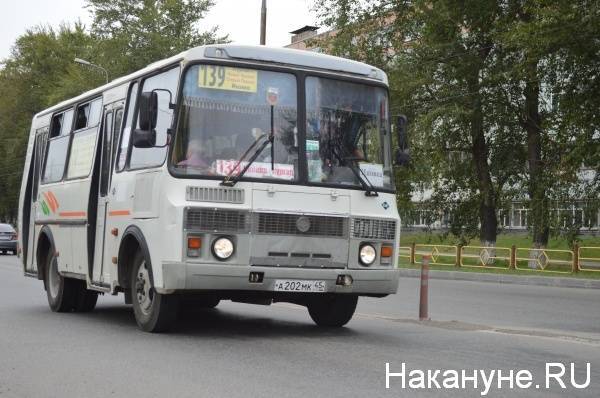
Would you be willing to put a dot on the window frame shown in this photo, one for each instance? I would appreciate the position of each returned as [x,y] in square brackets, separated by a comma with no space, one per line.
[72,134]
[301,74]
[299,97]
[50,140]
[122,129]
[140,80]
[104,180]
[392,187]
[39,158]
[74,107]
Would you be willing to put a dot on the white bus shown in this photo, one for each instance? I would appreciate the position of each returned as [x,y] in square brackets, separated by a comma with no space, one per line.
[227,172]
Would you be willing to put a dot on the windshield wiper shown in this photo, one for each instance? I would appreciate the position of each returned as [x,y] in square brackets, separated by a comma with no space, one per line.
[230,181]
[357,171]
[364,182]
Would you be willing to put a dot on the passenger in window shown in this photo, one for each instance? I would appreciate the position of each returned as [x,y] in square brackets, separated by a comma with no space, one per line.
[195,156]
[81,119]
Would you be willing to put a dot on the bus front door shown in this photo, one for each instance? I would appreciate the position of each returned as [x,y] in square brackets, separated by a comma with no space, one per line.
[112,121]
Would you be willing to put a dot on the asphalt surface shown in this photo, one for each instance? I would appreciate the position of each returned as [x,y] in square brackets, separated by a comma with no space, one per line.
[240,350]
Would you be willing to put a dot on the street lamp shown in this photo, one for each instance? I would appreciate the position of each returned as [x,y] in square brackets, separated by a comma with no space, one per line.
[88,63]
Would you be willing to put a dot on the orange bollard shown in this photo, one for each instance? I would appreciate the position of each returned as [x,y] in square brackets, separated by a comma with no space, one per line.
[423,302]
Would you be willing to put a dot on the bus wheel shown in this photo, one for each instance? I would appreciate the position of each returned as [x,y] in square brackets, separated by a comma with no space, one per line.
[333,310]
[154,312]
[60,290]
[85,300]
[191,304]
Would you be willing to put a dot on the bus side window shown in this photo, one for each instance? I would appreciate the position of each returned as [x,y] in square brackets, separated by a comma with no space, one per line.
[150,157]
[88,115]
[57,147]
[56,125]
[40,144]
[114,143]
[122,154]
[84,139]
[106,153]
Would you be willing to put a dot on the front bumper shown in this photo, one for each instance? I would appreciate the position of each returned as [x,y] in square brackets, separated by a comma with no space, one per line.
[188,276]
[8,245]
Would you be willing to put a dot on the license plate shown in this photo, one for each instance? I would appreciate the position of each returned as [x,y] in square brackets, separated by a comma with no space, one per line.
[295,285]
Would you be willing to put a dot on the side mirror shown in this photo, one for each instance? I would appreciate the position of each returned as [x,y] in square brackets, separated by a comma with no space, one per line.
[144,138]
[401,155]
[148,110]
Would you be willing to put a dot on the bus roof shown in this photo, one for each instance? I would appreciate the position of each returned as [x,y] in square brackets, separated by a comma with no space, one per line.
[233,52]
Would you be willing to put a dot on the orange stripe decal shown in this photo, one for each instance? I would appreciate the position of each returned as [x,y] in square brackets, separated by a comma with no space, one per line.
[72,214]
[49,201]
[53,199]
[119,213]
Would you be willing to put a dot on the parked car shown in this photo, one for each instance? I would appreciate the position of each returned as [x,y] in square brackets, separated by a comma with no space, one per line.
[8,239]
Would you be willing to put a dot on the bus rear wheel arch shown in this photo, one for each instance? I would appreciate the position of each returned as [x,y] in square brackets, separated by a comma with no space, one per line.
[64,294]
[61,291]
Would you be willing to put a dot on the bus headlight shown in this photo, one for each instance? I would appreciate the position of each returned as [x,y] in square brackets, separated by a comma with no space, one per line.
[222,248]
[367,254]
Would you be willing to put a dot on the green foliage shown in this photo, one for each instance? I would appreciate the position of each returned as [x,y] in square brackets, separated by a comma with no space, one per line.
[133,34]
[125,36]
[502,98]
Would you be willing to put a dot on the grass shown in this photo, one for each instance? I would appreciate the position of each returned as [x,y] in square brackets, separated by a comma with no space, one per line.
[503,240]
[489,270]
[520,240]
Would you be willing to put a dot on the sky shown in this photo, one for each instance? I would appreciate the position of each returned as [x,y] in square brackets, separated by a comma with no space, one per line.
[239,18]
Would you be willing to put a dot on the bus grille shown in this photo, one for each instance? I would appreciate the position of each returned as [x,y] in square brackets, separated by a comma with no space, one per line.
[205,219]
[219,195]
[365,228]
[289,224]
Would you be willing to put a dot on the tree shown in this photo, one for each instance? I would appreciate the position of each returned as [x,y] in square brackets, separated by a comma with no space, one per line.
[553,69]
[32,79]
[440,57]
[133,34]
[125,36]
[502,97]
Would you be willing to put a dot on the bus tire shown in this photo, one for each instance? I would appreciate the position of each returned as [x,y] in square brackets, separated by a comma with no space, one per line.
[332,310]
[208,302]
[154,312]
[191,304]
[85,300]
[60,291]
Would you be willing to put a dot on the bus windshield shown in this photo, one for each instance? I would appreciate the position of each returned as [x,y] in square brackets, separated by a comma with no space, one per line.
[227,113]
[346,129]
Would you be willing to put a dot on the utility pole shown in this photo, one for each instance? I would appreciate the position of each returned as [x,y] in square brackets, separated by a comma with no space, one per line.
[263,23]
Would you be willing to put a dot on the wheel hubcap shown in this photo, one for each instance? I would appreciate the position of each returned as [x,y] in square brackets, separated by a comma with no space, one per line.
[143,289]
[53,278]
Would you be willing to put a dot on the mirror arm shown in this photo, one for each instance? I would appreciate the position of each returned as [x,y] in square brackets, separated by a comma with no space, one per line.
[171,103]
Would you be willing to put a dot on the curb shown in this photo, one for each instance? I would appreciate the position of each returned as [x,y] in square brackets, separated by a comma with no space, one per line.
[499,278]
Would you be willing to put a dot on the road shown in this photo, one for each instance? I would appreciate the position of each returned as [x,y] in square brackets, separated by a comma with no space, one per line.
[240,350]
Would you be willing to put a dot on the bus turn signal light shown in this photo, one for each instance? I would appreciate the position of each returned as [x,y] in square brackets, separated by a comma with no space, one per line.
[386,251]
[194,244]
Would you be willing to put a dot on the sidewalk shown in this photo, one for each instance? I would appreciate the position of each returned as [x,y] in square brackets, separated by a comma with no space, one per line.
[500,278]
